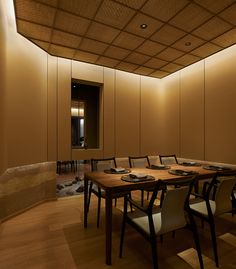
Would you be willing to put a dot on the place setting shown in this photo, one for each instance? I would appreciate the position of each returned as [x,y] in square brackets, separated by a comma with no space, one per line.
[180,172]
[217,168]
[190,163]
[158,167]
[137,177]
[117,170]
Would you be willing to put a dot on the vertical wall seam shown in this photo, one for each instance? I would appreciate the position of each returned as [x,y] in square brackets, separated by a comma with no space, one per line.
[103,114]
[204,110]
[57,109]
[47,111]
[140,115]
[114,105]
[180,133]
[70,109]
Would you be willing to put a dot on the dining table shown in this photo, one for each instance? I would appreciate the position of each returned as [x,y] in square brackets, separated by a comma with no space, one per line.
[113,183]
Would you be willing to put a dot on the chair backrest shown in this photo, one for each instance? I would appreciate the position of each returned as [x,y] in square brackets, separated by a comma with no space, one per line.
[122,162]
[173,209]
[174,205]
[168,159]
[224,190]
[102,164]
[139,161]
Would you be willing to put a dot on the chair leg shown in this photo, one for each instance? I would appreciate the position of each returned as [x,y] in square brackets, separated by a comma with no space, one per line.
[214,241]
[89,195]
[122,237]
[196,240]
[98,212]
[142,197]
[154,252]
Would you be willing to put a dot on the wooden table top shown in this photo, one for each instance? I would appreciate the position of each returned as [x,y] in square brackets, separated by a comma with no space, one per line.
[114,181]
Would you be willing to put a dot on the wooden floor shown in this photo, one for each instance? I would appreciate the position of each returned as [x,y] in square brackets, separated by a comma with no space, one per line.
[51,235]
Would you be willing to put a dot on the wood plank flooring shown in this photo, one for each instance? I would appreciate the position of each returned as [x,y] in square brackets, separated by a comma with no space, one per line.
[51,235]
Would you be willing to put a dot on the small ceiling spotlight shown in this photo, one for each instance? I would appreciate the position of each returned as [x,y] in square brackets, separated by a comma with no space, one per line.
[143,26]
[188,44]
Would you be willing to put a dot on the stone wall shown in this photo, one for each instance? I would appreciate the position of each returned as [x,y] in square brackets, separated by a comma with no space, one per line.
[25,186]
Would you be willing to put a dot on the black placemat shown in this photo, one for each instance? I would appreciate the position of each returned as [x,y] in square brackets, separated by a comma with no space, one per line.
[112,171]
[216,168]
[130,178]
[190,164]
[158,167]
[179,172]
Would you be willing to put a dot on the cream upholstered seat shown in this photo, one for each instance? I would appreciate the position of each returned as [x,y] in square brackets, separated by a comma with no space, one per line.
[215,201]
[151,222]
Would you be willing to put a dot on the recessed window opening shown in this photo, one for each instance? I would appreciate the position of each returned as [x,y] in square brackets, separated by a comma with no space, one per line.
[85,107]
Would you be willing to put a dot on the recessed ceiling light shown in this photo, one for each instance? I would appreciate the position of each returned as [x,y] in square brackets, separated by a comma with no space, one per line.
[143,26]
[188,44]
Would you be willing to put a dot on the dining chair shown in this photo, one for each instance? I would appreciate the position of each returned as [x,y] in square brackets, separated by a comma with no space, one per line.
[140,162]
[151,222]
[101,165]
[168,159]
[215,201]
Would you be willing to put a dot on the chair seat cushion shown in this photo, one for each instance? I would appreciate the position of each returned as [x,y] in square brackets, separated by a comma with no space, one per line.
[201,207]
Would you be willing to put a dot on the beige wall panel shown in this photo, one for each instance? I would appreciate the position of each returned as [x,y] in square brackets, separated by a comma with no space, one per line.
[26,101]
[169,115]
[64,104]
[52,108]
[127,114]
[220,127]
[192,112]
[87,72]
[109,113]
[149,111]
[3,30]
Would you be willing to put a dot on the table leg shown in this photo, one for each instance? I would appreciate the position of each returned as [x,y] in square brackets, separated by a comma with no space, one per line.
[108,227]
[85,202]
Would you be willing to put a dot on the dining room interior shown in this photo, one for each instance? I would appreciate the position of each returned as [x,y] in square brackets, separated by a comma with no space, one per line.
[84,80]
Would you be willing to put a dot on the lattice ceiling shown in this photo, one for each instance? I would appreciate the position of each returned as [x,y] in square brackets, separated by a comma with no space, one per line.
[109,32]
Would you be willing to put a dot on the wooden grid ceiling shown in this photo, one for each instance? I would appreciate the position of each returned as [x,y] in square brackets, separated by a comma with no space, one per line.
[109,32]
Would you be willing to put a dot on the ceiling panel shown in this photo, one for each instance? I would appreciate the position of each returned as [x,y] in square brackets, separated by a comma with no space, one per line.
[170,54]
[191,17]
[109,33]
[206,49]
[150,48]
[212,28]
[168,35]
[114,14]
[229,14]
[86,8]
[71,23]
[135,25]
[214,5]
[163,10]
[226,39]
[116,53]
[65,39]
[37,12]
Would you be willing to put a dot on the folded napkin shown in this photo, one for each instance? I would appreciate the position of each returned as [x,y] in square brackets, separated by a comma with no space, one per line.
[137,175]
[118,169]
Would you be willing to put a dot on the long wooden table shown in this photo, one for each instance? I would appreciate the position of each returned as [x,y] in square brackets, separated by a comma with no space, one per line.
[112,183]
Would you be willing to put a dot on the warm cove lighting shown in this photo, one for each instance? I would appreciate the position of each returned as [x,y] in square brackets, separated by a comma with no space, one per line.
[77,112]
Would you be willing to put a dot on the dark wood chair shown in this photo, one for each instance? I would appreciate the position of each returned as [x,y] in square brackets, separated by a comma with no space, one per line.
[101,165]
[151,222]
[168,159]
[140,162]
[215,200]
